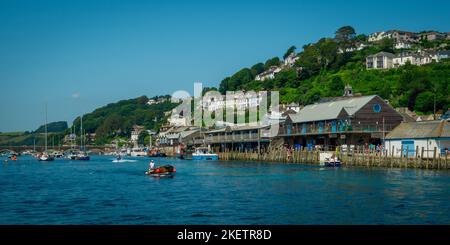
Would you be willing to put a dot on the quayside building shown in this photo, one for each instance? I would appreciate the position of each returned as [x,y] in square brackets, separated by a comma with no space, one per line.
[351,120]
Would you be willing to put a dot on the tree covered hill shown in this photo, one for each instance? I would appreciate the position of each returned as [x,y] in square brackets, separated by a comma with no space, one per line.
[325,67]
[107,122]
[117,119]
[53,127]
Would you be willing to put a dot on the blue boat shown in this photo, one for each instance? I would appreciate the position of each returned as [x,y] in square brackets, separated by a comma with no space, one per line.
[203,153]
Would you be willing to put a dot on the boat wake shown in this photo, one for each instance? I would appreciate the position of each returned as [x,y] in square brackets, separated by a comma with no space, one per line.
[124,160]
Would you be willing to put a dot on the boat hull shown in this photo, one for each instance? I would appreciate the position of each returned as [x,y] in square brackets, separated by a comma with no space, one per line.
[46,159]
[163,171]
[160,175]
[83,158]
[210,157]
[331,164]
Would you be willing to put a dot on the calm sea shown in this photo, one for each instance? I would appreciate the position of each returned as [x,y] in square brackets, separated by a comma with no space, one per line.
[101,191]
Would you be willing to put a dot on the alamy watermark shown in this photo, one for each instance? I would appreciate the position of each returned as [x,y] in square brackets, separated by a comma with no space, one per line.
[235,108]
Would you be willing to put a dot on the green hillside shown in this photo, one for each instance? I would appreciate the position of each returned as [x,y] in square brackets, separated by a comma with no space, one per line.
[53,127]
[322,71]
[29,139]
[107,122]
[117,119]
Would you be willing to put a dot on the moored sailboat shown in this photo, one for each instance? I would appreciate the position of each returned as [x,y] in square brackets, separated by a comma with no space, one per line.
[45,156]
[82,155]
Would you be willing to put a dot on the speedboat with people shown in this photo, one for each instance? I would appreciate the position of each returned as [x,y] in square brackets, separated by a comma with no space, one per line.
[163,171]
[204,153]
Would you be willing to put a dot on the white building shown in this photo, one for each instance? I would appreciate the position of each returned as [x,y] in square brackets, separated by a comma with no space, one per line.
[151,102]
[177,120]
[377,36]
[416,138]
[404,58]
[269,74]
[418,59]
[432,36]
[291,59]
[402,45]
[438,56]
[381,60]
[135,133]
[398,36]
[239,102]
[292,106]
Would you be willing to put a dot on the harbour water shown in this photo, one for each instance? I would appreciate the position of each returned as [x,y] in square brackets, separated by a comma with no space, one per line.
[101,191]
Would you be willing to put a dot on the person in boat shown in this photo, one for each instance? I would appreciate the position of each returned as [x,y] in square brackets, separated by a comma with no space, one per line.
[151,165]
[119,157]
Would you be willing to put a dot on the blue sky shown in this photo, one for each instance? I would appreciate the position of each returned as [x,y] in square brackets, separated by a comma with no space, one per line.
[79,55]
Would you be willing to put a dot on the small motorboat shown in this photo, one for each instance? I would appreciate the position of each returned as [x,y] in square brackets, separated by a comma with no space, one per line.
[204,153]
[329,160]
[333,163]
[164,171]
[157,154]
[82,156]
[45,157]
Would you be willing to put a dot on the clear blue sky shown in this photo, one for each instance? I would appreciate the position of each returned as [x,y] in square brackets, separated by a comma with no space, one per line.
[79,55]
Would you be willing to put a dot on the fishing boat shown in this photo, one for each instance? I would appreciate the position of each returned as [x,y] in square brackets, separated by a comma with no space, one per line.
[138,152]
[204,153]
[164,171]
[45,156]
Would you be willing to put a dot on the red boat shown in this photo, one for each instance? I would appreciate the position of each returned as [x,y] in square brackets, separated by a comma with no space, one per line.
[163,171]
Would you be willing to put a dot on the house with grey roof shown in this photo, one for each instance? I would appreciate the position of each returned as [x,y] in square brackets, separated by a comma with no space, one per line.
[425,139]
[342,120]
[175,136]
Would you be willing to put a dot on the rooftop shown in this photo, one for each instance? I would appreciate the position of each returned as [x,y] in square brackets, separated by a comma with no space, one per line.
[422,129]
[382,54]
[330,110]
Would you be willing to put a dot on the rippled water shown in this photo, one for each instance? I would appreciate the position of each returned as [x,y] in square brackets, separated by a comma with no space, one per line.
[103,192]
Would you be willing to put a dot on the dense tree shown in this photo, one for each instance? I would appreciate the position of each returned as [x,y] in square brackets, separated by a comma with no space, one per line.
[207,89]
[335,86]
[425,102]
[387,45]
[53,127]
[236,81]
[141,137]
[345,33]
[275,61]
[257,69]
[317,56]
[289,51]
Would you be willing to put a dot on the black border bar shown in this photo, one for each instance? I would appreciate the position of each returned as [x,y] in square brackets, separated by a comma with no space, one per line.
[119,233]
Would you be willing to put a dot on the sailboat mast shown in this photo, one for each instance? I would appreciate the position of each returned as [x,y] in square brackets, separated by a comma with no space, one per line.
[46,127]
[81,133]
